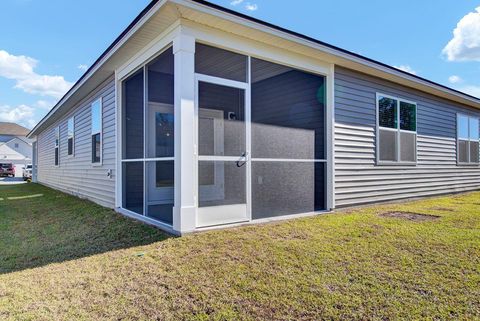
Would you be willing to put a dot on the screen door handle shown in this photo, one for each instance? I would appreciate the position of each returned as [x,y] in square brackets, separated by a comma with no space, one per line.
[244,155]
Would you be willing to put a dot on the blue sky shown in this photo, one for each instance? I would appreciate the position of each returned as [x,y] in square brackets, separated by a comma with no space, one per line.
[45,45]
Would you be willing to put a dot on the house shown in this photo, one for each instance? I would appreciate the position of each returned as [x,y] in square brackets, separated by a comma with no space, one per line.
[15,147]
[198,116]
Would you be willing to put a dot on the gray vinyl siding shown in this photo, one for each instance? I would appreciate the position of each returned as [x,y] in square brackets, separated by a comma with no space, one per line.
[76,174]
[358,180]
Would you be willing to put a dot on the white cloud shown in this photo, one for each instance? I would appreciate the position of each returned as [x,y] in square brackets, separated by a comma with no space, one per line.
[53,86]
[465,44]
[236,2]
[13,67]
[85,67]
[43,104]
[17,114]
[251,6]
[455,79]
[30,123]
[406,68]
[21,69]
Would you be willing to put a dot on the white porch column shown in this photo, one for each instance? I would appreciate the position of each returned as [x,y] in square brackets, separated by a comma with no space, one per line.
[184,211]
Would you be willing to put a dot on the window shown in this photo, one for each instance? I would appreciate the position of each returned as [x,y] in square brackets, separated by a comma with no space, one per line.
[97,132]
[57,143]
[70,135]
[467,140]
[397,130]
[16,145]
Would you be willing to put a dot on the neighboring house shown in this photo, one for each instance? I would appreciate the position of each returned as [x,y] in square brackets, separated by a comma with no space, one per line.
[198,116]
[15,147]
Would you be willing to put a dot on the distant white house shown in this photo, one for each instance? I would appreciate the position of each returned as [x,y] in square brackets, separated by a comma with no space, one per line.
[15,148]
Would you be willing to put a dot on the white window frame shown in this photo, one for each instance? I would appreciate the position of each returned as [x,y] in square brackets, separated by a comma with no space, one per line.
[398,131]
[469,163]
[56,150]
[100,101]
[73,136]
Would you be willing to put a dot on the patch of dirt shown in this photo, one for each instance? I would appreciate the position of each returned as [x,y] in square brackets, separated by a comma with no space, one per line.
[417,217]
[444,209]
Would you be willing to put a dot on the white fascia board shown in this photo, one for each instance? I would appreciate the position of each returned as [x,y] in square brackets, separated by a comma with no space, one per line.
[253,48]
[149,51]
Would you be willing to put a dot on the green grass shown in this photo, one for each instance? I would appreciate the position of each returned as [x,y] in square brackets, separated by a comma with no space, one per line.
[62,258]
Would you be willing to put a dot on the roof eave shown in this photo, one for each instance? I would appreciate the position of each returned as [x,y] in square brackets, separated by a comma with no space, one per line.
[237,17]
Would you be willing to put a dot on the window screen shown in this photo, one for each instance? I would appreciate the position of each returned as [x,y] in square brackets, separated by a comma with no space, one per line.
[474,156]
[462,151]
[467,139]
[388,145]
[397,121]
[407,147]
[220,63]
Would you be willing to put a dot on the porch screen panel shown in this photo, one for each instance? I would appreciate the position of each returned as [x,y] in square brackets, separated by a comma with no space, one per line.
[159,184]
[288,140]
[284,188]
[133,106]
[220,63]
[288,112]
[160,117]
[148,139]
[221,183]
[221,120]
[132,188]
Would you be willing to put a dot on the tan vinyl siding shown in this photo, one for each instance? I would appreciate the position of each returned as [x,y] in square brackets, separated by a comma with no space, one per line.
[76,174]
[358,180]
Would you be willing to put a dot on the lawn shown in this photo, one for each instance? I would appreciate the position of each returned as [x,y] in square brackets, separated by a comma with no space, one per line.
[62,258]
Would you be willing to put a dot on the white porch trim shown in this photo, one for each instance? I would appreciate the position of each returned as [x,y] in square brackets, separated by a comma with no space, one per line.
[185,210]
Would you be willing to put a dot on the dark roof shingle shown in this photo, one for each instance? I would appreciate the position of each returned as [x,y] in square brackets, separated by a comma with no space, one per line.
[13,129]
